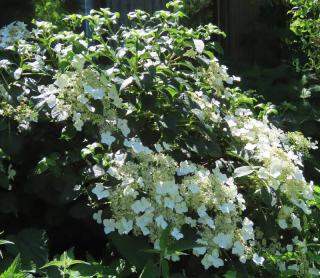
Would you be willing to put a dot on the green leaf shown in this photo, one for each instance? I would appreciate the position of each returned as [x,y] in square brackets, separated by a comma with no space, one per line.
[183,245]
[163,242]
[152,251]
[242,171]
[165,269]
[90,149]
[190,53]
[315,89]
[93,269]
[3,242]
[148,81]
[31,244]
[14,270]
[171,90]
[187,65]
[149,270]
[267,223]
[266,196]
[170,121]
[66,263]
[132,249]
[4,180]
[205,148]
[47,163]
[231,274]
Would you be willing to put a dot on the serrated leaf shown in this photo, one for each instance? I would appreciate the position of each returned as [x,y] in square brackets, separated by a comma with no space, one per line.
[31,244]
[14,270]
[91,270]
[132,249]
[65,263]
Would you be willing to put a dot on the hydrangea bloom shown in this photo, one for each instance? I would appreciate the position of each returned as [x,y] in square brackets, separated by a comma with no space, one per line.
[13,33]
[168,146]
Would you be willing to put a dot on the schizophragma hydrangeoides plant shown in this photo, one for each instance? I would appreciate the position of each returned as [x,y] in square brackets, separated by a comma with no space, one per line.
[169,144]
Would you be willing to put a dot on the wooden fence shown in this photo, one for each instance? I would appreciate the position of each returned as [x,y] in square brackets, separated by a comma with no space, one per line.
[125,6]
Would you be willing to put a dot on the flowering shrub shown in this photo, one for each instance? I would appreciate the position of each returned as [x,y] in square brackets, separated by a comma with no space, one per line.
[306,25]
[160,142]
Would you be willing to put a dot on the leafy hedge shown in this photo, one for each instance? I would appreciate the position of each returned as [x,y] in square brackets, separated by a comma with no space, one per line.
[141,129]
[306,24]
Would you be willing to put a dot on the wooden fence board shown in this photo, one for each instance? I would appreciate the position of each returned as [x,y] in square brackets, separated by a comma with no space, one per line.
[125,6]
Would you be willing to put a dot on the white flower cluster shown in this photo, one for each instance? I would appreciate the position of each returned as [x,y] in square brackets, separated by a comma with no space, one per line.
[72,95]
[146,189]
[13,33]
[280,166]
[148,199]
[155,193]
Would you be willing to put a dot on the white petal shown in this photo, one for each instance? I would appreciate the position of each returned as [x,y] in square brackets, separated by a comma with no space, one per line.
[199,44]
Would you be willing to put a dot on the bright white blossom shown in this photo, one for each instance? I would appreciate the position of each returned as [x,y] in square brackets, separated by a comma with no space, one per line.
[98,216]
[161,222]
[140,205]
[107,138]
[98,171]
[223,240]
[162,189]
[123,126]
[124,226]
[257,259]
[176,234]
[100,191]
[212,260]
[109,225]
[96,93]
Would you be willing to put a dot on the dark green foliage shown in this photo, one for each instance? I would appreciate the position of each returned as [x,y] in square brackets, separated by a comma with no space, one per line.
[51,161]
[14,270]
[16,10]
[199,11]
[49,10]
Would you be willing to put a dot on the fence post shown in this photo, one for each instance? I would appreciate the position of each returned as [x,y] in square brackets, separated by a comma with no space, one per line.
[88,5]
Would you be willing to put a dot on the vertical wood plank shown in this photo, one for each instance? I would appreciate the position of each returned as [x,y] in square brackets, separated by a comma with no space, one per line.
[138,4]
[122,10]
[148,6]
[126,6]
[112,2]
[108,3]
